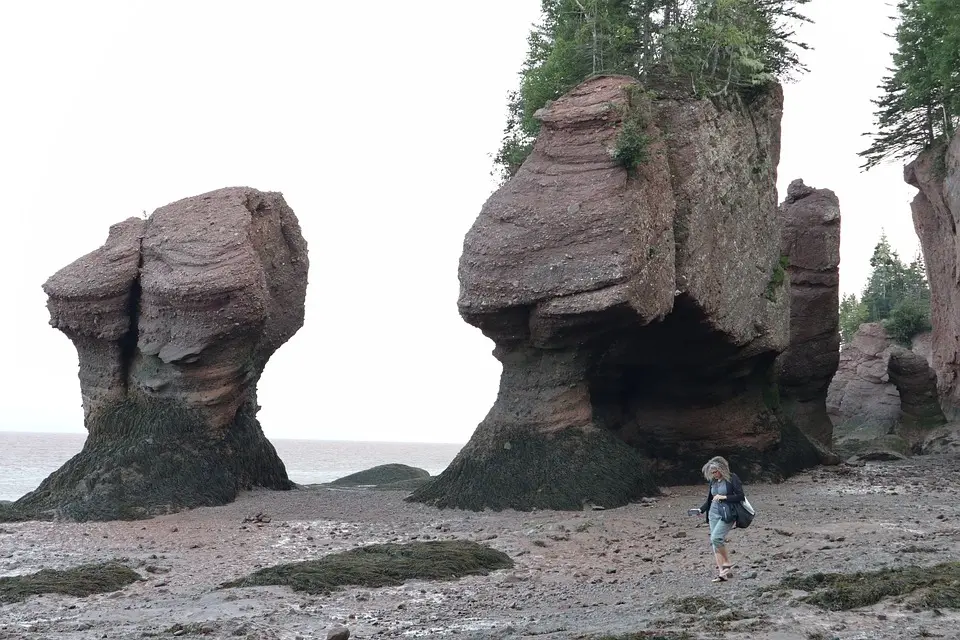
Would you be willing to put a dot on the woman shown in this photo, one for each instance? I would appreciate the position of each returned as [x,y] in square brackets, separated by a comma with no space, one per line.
[724,487]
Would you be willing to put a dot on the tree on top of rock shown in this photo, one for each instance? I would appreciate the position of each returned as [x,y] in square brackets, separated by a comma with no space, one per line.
[711,48]
[920,104]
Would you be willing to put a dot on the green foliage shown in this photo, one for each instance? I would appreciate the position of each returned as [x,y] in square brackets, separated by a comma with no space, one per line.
[896,294]
[852,315]
[777,278]
[714,48]
[909,318]
[381,565]
[630,147]
[939,587]
[79,581]
[920,101]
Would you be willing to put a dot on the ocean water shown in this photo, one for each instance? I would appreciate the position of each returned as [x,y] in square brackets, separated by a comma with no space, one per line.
[27,458]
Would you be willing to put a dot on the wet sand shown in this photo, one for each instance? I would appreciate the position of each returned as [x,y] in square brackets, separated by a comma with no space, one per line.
[577,574]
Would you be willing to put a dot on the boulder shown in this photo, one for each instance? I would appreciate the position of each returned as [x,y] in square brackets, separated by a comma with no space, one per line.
[383,474]
[174,319]
[811,242]
[637,312]
[936,210]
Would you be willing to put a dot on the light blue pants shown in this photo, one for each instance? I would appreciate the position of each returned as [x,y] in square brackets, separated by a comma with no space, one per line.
[718,531]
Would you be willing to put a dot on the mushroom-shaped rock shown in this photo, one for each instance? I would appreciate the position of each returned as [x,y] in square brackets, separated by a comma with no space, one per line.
[174,319]
[919,405]
[637,312]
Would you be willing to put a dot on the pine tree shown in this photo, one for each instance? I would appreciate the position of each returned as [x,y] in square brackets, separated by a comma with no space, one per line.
[920,101]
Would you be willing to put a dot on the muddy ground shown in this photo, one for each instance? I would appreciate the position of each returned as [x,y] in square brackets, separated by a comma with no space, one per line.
[643,567]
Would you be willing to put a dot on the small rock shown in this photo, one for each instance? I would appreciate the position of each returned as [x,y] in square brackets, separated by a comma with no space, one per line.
[338,632]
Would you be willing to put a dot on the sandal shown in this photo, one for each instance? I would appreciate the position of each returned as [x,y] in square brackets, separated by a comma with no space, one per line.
[720,578]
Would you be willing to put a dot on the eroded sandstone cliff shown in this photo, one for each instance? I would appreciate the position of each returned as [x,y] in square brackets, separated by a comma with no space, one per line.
[936,213]
[637,315]
[174,319]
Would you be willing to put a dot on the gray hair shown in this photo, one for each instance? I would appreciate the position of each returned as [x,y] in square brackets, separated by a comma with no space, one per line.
[716,463]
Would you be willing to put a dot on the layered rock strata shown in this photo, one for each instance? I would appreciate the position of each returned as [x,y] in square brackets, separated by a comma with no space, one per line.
[936,213]
[811,242]
[174,319]
[637,314]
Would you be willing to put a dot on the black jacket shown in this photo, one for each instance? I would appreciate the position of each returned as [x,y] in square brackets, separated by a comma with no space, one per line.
[734,494]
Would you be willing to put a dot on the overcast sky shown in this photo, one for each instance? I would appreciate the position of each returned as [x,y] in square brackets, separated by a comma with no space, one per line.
[377,121]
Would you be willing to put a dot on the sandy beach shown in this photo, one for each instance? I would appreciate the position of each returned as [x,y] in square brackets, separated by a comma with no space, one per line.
[643,567]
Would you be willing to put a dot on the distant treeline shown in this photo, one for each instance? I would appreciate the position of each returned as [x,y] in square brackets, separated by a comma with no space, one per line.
[896,294]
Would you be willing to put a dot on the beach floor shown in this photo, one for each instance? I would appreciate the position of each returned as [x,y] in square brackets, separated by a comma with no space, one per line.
[644,567]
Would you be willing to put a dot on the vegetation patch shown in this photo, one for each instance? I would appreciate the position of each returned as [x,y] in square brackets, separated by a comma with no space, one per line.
[693,604]
[382,565]
[649,635]
[936,587]
[630,148]
[80,581]
[381,475]
[777,278]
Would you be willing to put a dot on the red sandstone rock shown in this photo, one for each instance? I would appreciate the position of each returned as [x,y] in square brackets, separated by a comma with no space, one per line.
[174,319]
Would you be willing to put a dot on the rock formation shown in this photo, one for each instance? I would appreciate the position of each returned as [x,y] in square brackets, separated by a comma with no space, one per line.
[861,399]
[936,211]
[174,319]
[811,240]
[883,396]
[637,314]
[917,385]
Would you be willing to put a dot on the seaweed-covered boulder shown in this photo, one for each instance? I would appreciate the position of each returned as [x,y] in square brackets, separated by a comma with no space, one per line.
[637,312]
[174,319]
[811,240]
[384,474]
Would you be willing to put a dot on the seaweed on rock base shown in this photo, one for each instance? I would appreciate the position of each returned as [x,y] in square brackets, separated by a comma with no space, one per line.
[564,470]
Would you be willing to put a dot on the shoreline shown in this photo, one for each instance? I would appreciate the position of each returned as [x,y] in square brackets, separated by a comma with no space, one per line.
[577,574]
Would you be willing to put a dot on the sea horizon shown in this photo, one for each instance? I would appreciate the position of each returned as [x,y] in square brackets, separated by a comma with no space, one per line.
[28,457]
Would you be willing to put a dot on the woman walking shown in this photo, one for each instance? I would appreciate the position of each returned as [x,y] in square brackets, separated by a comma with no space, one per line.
[725,487]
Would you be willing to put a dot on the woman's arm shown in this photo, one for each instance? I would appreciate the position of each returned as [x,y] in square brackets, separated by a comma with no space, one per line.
[735,489]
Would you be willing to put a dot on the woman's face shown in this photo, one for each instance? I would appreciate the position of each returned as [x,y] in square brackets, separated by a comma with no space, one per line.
[717,474]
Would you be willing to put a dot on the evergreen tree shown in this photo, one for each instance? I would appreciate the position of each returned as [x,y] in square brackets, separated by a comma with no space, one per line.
[920,101]
[718,48]
[852,315]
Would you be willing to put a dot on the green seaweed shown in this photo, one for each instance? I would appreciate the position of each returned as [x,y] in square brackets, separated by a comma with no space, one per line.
[381,565]
[80,581]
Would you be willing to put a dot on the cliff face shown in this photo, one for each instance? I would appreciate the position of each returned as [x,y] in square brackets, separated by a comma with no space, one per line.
[637,316]
[811,240]
[174,319]
[936,214]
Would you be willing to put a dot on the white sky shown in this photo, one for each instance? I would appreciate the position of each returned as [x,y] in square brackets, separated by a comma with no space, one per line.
[377,121]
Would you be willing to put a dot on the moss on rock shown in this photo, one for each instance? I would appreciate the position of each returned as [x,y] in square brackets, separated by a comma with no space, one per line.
[79,581]
[381,475]
[382,565]
[524,471]
[150,456]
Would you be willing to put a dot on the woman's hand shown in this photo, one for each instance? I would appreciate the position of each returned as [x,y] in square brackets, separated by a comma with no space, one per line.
[719,497]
